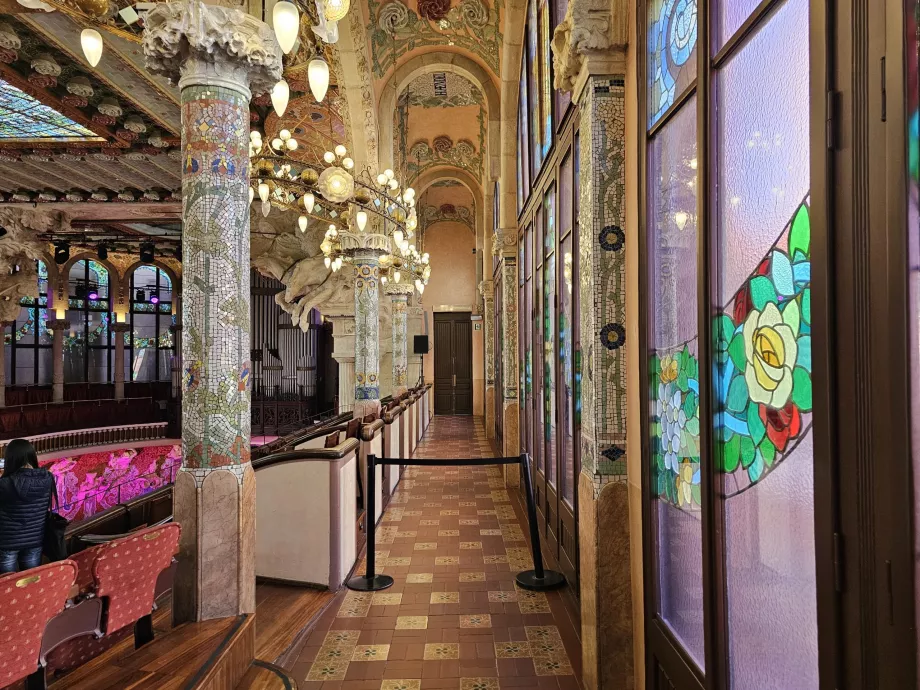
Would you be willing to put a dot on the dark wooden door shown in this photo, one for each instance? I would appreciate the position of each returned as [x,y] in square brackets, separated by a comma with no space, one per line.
[453,363]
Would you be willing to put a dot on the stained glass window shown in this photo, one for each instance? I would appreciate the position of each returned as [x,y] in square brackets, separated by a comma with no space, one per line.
[523,132]
[533,84]
[150,344]
[520,167]
[23,118]
[762,436]
[87,346]
[549,335]
[672,32]
[546,81]
[673,387]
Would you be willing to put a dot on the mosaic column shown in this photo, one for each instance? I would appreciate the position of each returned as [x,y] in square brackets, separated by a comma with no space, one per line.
[504,245]
[399,297]
[57,326]
[3,327]
[119,329]
[219,57]
[367,337]
[487,290]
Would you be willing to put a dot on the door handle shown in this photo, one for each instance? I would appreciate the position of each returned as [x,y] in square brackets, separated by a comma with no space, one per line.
[455,380]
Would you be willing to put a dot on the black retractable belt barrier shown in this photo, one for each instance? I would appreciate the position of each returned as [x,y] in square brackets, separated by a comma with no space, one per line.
[538,579]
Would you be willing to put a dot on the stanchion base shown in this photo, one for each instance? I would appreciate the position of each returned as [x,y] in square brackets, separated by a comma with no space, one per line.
[529,580]
[370,584]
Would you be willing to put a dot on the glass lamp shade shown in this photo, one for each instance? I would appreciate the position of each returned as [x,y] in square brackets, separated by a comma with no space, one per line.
[318,76]
[309,201]
[91,41]
[327,261]
[302,222]
[361,219]
[398,237]
[286,21]
[336,184]
[281,93]
[340,150]
[335,10]
[263,191]
[252,194]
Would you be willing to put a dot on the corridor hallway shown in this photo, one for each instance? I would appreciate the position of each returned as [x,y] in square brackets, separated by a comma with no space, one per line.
[454,619]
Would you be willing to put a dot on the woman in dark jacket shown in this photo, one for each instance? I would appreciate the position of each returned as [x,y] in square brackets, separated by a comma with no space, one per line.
[25,496]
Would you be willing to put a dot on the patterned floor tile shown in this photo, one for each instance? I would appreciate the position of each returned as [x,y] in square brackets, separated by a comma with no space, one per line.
[479,684]
[438,651]
[512,650]
[419,578]
[371,652]
[476,620]
[411,622]
[472,577]
[445,598]
[401,684]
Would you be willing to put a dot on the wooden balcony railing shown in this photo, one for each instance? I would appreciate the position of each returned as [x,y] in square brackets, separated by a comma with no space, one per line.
[87,438]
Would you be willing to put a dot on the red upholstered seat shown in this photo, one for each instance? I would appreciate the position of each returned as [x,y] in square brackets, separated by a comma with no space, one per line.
[124,577]
[28,600]
[84,560]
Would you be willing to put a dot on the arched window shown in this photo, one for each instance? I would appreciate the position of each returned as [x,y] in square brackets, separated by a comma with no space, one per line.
[28,354]
[88,344]
[150,343]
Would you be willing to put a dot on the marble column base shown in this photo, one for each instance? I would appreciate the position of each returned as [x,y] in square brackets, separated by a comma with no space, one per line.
[606,586]
[217,510]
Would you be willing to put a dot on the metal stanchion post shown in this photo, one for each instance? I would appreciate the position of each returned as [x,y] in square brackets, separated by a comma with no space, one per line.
[370,581]
[537,579]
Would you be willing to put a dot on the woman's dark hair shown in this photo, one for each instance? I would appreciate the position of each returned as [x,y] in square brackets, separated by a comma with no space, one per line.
[19,453]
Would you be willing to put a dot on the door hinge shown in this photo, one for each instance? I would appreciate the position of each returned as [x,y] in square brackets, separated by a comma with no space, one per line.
[838,562]
[830,123]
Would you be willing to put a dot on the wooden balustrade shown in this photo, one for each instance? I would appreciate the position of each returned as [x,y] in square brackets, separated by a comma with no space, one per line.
[87,438]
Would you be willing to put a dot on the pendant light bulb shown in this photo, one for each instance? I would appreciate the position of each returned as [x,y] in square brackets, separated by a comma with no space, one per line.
[309,201]
[398,237]
[263,191]
[397,276]
[361,218]
[281,93]
[286,21]
[318,76]
[327,261]
[252,194]
[91,40]
[302,222]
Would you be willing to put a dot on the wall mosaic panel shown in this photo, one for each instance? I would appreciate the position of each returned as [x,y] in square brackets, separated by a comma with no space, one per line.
[367,314]
[397,30]
[216,378]
[603,274]
[400,331]
[510,329]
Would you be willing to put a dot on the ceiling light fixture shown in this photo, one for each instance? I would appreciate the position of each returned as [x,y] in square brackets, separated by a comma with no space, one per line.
[318,76]
[281,93]
[335,10]
[61,253]
[91,41]
[286,21]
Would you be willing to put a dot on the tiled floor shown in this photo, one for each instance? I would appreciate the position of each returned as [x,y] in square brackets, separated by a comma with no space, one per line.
[454,619]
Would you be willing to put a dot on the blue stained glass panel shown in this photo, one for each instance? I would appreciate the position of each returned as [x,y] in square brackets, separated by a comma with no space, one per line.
[23,118]
[672,34]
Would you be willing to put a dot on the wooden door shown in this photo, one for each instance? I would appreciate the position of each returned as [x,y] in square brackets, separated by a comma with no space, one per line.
[453,363]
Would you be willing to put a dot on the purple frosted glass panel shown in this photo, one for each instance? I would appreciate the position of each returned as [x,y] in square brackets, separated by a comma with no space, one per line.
[762,435]
[728,17]
[761,122]
[673,386]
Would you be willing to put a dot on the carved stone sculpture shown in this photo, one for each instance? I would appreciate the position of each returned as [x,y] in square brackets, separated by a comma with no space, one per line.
[590,26]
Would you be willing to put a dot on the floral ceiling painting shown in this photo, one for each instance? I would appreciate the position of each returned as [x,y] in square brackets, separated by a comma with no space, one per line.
[397,28]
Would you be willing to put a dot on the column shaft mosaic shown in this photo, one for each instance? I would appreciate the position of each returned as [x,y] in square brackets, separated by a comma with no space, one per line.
[399,297]
[367,337]
[603,278]
[510,374]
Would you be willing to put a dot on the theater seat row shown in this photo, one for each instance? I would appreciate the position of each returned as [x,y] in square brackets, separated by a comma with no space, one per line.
[58,616]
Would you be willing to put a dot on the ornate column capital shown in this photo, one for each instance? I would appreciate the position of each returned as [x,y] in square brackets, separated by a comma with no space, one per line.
[487,289]
[503,240]
[58,324]
[121,328]
[591,29]
[398,289]
[190,42]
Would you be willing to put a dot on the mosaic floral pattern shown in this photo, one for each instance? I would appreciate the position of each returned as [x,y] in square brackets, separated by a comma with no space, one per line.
[216,404]
[90,483]
[367,314]
[470,25]
[510,348]
[763,386]
[400,333]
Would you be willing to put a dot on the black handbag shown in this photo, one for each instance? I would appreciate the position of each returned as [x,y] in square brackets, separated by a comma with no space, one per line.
[53,544]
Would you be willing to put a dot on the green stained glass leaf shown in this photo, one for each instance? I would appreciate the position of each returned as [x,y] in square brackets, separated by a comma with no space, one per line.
[696,494]
[755,471]
[804,357]
[756,426]
[731,454]
[806,306]
[690,403]
[800,234]
[781,273]
[683,383]
[791,316]
[738,396]
[693,426]
[748,451]
[736,351]
[762,292]
[768,452]
[801,389]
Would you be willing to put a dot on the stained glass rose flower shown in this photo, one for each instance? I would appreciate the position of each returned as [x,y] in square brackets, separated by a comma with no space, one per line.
[770,349]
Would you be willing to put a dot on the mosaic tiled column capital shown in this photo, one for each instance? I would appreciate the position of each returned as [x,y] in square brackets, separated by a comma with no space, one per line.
[399,294]
[367,337]
[219,57]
